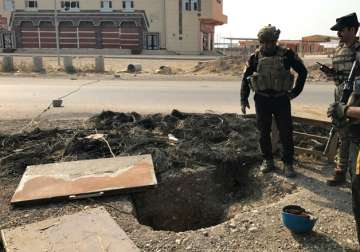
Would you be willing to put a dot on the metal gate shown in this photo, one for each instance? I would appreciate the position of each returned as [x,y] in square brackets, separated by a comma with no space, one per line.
[86,35]
[29,35]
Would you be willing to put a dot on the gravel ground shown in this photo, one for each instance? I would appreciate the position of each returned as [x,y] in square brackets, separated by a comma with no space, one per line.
[251,221]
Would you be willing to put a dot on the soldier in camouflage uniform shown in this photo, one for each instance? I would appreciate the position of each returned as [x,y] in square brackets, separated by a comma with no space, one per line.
[348,115]
[268,74]
[347,27]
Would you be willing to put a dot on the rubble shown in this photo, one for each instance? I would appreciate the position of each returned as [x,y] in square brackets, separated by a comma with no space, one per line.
[225,65]
[316,75]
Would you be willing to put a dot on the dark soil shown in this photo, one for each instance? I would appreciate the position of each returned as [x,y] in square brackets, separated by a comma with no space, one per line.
[205,178]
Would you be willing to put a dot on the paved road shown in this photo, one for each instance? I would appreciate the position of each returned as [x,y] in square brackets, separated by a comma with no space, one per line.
[26,97]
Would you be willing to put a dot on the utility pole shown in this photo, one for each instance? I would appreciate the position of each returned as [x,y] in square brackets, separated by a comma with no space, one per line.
[56,22]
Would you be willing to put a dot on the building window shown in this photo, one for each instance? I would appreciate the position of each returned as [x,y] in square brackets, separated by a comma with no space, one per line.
[188,5]
[191,5]
[106,4]
[70,5]
[31,4]
[128,5]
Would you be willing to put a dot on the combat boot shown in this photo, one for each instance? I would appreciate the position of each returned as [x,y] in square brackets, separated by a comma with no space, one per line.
[338,179]
[289,171]
[267,166]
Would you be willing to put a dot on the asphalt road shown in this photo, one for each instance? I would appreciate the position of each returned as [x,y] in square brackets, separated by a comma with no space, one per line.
[26,97]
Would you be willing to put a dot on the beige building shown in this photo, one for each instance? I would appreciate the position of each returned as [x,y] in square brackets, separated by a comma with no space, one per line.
[181,26]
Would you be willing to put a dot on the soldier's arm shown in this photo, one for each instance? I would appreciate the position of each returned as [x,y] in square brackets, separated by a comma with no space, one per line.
[250,68]
[297,64]
[353,112]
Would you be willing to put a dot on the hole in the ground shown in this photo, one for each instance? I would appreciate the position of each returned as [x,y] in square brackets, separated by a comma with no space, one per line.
[193,198]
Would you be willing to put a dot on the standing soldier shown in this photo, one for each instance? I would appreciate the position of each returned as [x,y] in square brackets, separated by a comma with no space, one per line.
[350,114]
[268,74]
[346,27]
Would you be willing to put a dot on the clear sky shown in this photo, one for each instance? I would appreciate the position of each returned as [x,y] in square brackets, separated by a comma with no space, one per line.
[295,18]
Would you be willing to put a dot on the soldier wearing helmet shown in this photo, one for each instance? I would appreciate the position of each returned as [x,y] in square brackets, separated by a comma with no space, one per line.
[268,74]
[346,27]
[348,116]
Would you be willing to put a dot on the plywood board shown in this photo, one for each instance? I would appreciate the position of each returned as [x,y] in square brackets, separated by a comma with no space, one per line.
[86,178]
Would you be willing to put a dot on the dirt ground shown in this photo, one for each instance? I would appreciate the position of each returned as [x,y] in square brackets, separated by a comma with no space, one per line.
[210,197]
[222,69]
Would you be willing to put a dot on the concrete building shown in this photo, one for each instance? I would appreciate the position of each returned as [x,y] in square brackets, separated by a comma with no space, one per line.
[314,44]
[180,26]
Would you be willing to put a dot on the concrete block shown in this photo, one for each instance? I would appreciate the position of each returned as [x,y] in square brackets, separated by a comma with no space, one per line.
[8,64]
[38,64]
[87,231]
[68,65]
[99,64]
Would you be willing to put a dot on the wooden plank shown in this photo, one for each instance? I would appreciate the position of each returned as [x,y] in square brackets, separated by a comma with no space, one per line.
[321,138]
[300,150]
[87,177]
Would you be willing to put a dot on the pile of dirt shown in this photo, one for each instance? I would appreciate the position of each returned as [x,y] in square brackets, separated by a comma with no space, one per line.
[167,70]
[206,165]
[207,140]
[225,65]
[176,141]
[314,74]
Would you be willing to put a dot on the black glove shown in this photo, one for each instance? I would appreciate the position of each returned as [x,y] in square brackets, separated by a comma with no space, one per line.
[327,70]
[337,112]
[291,95]
[244,104]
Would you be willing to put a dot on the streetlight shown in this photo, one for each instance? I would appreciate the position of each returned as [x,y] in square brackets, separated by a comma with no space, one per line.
[57,32]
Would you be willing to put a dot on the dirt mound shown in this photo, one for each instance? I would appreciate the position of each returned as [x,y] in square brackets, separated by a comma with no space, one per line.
[314,74]
[167,70]
[206,139]
[226,65]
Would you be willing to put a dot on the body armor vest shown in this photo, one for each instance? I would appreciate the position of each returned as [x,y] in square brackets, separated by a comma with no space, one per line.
[343,60]
[354,101]
[271,73]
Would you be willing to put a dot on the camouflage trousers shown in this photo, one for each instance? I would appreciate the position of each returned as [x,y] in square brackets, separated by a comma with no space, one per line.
[354,167]
[342,157]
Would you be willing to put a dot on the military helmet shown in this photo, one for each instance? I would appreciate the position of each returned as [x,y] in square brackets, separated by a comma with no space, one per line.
[268,33]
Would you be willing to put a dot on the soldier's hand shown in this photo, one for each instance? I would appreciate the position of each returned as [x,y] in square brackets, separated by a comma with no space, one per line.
[327,71]
[337,112]
[244,105]
[291,95]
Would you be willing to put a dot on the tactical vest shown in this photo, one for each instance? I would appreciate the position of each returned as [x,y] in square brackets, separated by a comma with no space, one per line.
[343,60]
[354,126]
[271,73]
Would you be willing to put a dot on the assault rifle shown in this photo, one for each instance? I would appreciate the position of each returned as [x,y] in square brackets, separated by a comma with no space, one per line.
[348,89]
[326,70]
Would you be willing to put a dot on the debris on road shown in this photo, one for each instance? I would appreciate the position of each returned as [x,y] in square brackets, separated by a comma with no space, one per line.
[226,65]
